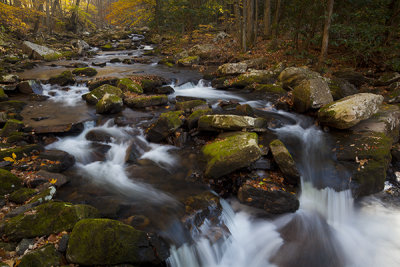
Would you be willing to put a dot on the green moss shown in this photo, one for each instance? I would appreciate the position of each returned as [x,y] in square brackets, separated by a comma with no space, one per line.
[45,219]
[107,47]
[3,96]
[187,61]
[145,101]
[11,126]
[109,104]
[85,71]
[21,195]
[94,96]
[15,137]
[52,57]
[199,113]
[19,151]
[65,78]
[8,182]
[127,84]
[270,88]
[46,256]
[148,84]
[44,196]
[173,118]
[189,105]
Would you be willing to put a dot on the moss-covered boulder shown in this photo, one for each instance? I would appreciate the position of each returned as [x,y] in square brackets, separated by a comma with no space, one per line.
[341,88]
[189,61]
[8,182]
[44,196]
[311,94]
[22,195]
[285,162]
[65,78]
[232,69]
[109,104]
[108,242]
[253,77]
[93,84]
[231,152]
[95,95]
[127,84]
[189,105]
[229,123]
[3,96]
[45,219]
[46,256]
[11,126]
[196,115]
[293,76]
[85,71]
[20,151]
[269,89]
[107,47]
[349,111]
[142,101]
[15,137]
[167,124]
[12,106]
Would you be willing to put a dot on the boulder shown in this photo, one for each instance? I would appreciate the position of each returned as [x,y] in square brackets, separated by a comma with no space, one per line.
[311,94]
[232,69]
[11,126]
[9,79]
[341,88]
[93,84]
[388,78]
[253,77]
[22,195]
[167,124]
[109,242]
[229,123]
[8,182]
[136,101]
[188,106]
[285,162]
[349,111]
[109,104]
[20,152]
[269,89]
[98,135]
[353,77]
[231,152]
[272,201]
[293,76]
[204,51]
[46,256]
[89,72]
[95,95]
[63,79]
[46,219]
[36,51]
[58,160]
[30,87]
[60,179]
[12,106]
[164,90]
[127,84]
[3,96]
[193,119]
[189,61]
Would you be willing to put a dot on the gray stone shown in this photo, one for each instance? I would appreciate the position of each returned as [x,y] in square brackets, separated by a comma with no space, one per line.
[36,51]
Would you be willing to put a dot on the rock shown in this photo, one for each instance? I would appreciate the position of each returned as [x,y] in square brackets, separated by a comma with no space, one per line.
[311,94]
[105,241]
[59,160]
[253,77]
[30,87]
[95,95]
[46,219]
[60,179]
[46,256]
[8,182]
[232,69]
[274,201]
[229,123]
[3,96]
[341,88]
[193,119]
[285,162]
[22,195]
[109,104]
[164,90]
[127,84]
[63,244]
[107,47]
[99,64]
[220,36]
[232,152]
[293,76]
[9,79]
[82,46]
[24,245]
[201,207]
[11,126]
[115,60]
[89,72]
[9,88]
[20,152]
[39,98]
[98,135]
[189,61]
[12,106]
[36,51]
[44,196]
[93,84]
[355,78]
[63,79]
[3,118]
[204,51]
[135,101]
[349,111]
[269,89]
[149,85]
[167,124]
[188,106]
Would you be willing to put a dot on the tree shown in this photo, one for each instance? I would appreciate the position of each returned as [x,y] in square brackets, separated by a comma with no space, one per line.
[325,39]
[267,18]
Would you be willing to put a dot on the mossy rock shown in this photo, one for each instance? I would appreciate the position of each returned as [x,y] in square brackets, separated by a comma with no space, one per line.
[20,152]
[46,256]
[93,84]
[52,56]
[46,219]
[109,104]
[107,47]
[65,78]
[196,115]
[231,152]
[105,241]
[254,77]
[127,84]
[134,101]
[148,85]
[3,96]
[45,196]
[22,195]
[229,123]
[89,72]
[189,61]
[11,126]
[15,137]
[285,162]
[167,124]
[8,182]
[12,106]
[189,105]
[311,94]
[94,96]
[293,76]
[269,89]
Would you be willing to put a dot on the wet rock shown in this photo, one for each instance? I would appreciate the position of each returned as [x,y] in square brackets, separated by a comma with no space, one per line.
[71,128]
[150,85]
[9,88]
[39,98]
[93,84]
[104,241]
[311,94]
[46,256]
[20,152]
[201,207]
[189,61]
[349,111]
[95,95]
[167,124]
[232,69]
[341,88]
[274,201]
[36,51]
[99,64]
[63,79]
[253,77]
[60,179]
[3,96]
[98,135]
[11,126]
[29,87]
[353,77]
[58,160]
[12,106]
[135,150]
[127,84]
[82,46]
[8,182]
[229,123]
[24,245]
[45,196]
[245,110]
[293,76]
[22,195]
[135,101]
[89,72]
[115,60]
[188,106]
[262,164]
[193,119]
[231,152]
[109,104]
[285,162]
[45,219]
[164,90]
[9,79]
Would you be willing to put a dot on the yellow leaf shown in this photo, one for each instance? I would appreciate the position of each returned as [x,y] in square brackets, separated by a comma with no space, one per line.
[14,156]
[53,181]
[9,159]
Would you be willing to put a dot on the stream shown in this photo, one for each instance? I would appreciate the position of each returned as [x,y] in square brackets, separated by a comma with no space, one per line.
[330,229]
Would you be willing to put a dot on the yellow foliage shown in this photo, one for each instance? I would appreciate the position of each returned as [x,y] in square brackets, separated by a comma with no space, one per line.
[131,12]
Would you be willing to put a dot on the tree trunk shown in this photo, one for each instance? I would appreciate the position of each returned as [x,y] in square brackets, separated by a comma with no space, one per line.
[267,19]
[250,23]
[75,17]
[394,11]
[244,19]
[48,16]
[255,21]
[275,25]
[325,38]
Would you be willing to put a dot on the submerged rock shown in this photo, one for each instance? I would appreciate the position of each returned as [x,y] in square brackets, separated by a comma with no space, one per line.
[109,104]
[285,162]
[232,152]
[105,241]
[349,111]
[167,124]
[229,123]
